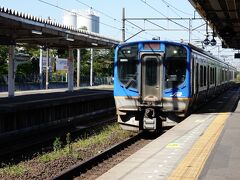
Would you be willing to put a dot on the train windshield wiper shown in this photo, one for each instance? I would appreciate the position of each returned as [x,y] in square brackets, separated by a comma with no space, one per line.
[130,82]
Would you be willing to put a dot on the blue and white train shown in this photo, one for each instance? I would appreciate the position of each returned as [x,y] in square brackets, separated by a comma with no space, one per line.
[154,80]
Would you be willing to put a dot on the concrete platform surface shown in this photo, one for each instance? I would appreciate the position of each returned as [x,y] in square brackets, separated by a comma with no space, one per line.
[224,161]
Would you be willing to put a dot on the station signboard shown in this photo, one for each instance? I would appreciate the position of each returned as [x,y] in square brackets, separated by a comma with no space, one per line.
[61,64]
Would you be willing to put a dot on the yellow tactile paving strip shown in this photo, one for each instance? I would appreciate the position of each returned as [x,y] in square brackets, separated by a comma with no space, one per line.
[192,164]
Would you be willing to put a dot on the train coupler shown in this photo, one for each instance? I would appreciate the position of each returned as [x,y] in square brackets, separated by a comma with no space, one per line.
[150,119]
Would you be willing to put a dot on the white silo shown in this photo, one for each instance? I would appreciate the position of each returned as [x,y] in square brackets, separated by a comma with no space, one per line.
[89,20]
[70,19]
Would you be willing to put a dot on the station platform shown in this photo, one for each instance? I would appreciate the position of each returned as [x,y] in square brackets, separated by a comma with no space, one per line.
[203,146]
[42,110]
[44,91]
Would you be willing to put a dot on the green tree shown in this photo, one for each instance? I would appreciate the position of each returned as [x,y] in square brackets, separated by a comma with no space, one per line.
[30,68]
[103,62]
[24,69]
[3,59]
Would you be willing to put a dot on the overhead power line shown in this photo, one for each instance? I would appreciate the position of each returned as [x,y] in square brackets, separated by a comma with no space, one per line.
[163,14]
[168,4]
[170,19]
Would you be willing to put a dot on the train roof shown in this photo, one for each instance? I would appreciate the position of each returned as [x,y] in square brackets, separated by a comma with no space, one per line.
[189,45]
[208,54]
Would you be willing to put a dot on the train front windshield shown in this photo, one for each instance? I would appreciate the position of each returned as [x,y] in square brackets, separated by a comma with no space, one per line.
[127,66]
[175,65]
[174,61]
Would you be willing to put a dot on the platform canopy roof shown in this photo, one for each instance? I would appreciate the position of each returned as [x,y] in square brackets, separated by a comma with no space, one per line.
[18,27]
[224,16]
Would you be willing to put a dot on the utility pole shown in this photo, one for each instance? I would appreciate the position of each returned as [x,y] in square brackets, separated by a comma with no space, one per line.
[190,30]
[123,24]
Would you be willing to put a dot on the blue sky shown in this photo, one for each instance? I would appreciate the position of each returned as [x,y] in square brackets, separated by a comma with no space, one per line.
[110,13]
[113,10]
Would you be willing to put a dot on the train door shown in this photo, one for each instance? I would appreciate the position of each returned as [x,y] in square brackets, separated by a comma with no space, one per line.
[152,77]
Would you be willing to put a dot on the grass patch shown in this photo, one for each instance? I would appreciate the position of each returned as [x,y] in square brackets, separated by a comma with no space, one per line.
[108,136]
[88,145]
[13,170]
[52,155]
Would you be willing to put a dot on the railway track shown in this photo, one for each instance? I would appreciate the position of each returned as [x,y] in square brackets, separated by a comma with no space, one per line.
[87,167]
[101,163]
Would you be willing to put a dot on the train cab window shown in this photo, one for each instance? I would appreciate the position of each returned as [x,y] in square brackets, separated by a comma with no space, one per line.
[127,64]
[175,64]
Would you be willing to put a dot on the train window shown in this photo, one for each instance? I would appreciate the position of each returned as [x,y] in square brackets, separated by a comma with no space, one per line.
[221,71]
[151,71]
[197,78]
[127,65]
[215,80]
[232,75]
[211,75]
[205,74]
[222,74]
[201,75]
[175,64]
[208,75]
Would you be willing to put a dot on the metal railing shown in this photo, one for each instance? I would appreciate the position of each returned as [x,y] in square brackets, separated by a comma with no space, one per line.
[32,82]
